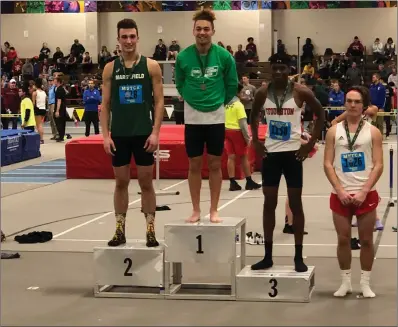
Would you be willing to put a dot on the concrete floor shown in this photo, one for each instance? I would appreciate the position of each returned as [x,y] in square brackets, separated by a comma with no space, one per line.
[52,283]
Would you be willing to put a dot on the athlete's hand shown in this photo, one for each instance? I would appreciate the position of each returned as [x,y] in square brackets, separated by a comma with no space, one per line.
[109,146]
[304,151]
[151,143]
[260,148]
[344,197]
[359,198]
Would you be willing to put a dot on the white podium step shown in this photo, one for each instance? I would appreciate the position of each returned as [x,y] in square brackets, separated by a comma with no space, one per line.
[277,284]
[133,271]
[205,243]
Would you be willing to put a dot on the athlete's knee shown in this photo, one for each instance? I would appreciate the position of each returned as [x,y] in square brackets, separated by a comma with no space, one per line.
[145,180]
[366,243]
[270,202]
[214,163]
[195,165]
[231,157]
[122,183]
[343,240]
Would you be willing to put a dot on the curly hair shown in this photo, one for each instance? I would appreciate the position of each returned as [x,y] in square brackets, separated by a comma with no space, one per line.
[205,14]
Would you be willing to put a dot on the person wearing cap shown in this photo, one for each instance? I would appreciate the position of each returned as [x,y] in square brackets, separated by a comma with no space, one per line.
[283,152]
[174,49]
[11,104]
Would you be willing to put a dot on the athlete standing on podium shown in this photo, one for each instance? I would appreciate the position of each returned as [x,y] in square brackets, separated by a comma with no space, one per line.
[206,78]
[353,164]
[132,87]
[283,152]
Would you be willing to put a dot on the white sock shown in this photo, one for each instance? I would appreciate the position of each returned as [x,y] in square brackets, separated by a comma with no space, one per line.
[345,287]
[364,283]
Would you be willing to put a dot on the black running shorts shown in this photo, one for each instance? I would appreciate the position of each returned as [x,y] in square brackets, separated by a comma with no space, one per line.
[197,136]
[128,146]
[277,164]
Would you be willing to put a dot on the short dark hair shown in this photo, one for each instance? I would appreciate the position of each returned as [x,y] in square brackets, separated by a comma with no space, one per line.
[205,14]
[365,95]
[240,87]
[126,23]
[25,88]
[39,83]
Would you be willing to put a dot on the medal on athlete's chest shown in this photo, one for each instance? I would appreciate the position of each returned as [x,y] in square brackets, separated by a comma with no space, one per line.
[203,66]
[203,86]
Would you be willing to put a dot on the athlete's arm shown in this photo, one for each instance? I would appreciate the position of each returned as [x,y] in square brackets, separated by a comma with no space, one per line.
[258,103]
[370,112]
[157,86]
[179,76]
[230,79]
[328,168]
[377,158]
[317,110]
[106,99]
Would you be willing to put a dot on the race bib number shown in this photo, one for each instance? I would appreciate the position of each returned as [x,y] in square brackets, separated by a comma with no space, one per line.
[279,130]
[130,94]
[352,162]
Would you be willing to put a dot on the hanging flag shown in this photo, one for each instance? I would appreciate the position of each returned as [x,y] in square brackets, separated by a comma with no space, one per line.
[169,110]
[70,112]
[80,113]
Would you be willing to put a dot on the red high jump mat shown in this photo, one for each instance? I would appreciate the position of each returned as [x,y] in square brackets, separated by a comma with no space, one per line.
[86,158]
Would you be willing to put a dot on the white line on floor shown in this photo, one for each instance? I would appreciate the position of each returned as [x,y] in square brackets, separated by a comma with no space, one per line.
[107,214]
[131,240]
[230,202]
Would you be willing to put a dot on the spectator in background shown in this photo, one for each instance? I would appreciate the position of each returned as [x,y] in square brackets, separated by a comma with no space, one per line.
[308,71]
[354,75]
[229,49]
[308,52]
[160,51]
[17,67]
[280,47]
[71,64]
[6,47]
[393,77]
[77,49]
[39,99]
[220,44]
[4,84]
[389,49]
[336,99]
[6,67]
[60,108]
[247,96]
[12,54]
[378,98]
[27,70]
[178,103]
[44,67]
[378,51]
[87,63]
[356,49]
[44,52]
[383,72]
[11,104]
[174,49]
[91,99]
[251,47]
[240,58]
[51,104]
[117,52]
[103,57]
[27,110]
[389,104]
[58,54]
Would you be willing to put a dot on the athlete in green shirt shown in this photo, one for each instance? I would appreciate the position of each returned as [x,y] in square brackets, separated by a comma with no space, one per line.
[132,91]
[206,78]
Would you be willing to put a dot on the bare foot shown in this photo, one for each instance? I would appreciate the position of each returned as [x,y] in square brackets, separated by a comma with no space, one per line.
[214,218]
[194,218]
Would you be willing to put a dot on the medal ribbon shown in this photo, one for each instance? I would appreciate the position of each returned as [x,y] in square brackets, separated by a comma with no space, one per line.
[351,143]
[203,65]
[279,105]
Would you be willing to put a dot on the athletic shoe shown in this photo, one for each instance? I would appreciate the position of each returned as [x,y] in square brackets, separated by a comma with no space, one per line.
[258,239]
[249,238]
[234,186]
[252,185]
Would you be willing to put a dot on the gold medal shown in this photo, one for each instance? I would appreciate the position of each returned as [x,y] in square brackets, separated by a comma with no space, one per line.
[203,86]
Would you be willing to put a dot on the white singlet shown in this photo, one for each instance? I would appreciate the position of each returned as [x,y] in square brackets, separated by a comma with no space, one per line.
[283,131]
[353,168]
[41,98]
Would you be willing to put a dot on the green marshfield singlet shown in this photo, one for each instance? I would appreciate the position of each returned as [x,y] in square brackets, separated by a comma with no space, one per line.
[131,99]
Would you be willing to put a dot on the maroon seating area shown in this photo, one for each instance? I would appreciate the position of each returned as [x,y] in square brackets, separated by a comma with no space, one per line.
[86,158]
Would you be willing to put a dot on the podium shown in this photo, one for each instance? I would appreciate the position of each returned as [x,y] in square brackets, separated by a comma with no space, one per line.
[207,244]
[135,271]
[277,284]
